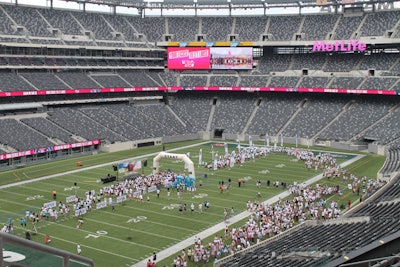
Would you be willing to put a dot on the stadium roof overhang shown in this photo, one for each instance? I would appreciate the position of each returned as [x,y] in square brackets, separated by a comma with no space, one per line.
[229,4]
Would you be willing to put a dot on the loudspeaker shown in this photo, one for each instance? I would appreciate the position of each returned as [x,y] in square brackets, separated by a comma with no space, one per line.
[115,168]
[145,163]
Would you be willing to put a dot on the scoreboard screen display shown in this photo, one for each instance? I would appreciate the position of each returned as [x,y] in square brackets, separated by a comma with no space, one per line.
[204,58]
[232,58]
[188,58]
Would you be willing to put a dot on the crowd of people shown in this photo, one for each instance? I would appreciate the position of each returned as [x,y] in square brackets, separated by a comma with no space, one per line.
[240,157]
[305,203]
[265,221]
[131,188]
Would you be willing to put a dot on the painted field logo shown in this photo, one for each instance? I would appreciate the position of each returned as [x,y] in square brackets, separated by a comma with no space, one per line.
[137,219]
[34,197]
[200,196]
[339,46]
[247,178]
[280,165]
[10,256]
[71,188]
[171,207]
[264,172]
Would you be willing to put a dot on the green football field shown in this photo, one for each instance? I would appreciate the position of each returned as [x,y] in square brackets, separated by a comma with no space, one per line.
[134,230]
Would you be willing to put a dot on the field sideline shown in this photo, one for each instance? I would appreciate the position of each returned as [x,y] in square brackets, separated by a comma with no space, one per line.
[130,234]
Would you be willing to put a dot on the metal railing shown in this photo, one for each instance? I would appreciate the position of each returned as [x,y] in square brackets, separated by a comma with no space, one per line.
[8,239]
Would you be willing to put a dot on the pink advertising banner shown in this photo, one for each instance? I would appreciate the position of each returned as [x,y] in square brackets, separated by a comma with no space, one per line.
[198,88]
[186,58]
[47,149]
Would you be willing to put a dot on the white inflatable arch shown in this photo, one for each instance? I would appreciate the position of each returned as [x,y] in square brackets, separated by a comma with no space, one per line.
[186,159]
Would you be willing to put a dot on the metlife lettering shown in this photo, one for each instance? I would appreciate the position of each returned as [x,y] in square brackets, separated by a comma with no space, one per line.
[339,46]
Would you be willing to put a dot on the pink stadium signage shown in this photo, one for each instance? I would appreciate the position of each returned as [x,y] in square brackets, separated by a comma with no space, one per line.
[339,46]
[199,88]
[48,149]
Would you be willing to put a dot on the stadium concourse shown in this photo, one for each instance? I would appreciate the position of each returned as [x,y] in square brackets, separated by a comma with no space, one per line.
[176,249]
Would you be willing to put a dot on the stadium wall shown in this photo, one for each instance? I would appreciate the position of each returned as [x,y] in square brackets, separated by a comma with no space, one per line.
[115,147]
[119,146]
[380,150]
[180,138]
[351,147]
[377,149]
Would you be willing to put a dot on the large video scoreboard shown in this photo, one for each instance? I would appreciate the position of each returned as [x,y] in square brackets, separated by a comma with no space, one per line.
[205,58]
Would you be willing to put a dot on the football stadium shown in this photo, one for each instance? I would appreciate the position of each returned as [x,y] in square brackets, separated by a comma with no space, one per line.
[223,133]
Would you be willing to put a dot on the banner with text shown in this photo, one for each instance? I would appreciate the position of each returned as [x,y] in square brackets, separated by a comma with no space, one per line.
[47,149]
[183,58]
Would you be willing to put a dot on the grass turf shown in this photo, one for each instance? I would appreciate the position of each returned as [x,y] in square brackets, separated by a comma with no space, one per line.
[133,231]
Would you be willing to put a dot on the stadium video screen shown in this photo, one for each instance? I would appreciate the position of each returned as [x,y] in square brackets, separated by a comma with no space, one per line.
[204,58]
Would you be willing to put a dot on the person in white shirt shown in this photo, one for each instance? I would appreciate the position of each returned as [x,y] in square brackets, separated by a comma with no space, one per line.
[192,208]
[4,229]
